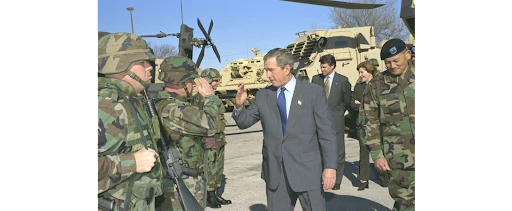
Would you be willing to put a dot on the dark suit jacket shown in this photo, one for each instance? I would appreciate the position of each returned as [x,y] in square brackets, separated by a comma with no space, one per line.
[309,143]
[357,95]
[339,97]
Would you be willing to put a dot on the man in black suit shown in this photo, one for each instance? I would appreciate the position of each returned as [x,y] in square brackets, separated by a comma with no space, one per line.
[338,92]
[299,141]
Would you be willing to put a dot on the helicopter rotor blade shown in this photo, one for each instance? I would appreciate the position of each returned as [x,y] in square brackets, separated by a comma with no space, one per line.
[210,28]
[216,52]
[202,29]
[339,4]
[200,57]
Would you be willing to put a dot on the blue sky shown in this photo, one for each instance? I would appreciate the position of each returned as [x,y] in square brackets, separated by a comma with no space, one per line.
[238,25]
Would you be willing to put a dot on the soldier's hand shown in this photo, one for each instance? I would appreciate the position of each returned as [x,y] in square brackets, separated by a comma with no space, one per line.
[204,88]
[357,102]
[145,160]
[241,96]
[381,164]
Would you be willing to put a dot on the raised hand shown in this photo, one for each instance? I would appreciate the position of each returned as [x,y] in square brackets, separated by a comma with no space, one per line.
[241,96]
[204,88]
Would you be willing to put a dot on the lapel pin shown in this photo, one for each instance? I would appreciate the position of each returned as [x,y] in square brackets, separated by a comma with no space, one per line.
[300,103]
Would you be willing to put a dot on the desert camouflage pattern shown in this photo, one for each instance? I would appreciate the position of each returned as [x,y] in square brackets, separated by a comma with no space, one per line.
[118,140]
[388,109]
[170,201]
[177,70]
[215,156]
[186,126]
[116,52]
[211,74]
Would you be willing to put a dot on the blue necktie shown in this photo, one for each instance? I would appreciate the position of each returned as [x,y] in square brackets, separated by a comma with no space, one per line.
[281,104]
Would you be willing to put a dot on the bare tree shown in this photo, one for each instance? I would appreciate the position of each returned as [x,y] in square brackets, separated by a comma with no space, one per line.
[385,19]
[163,50]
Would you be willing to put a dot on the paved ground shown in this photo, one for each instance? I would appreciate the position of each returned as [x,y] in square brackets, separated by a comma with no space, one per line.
[243,185]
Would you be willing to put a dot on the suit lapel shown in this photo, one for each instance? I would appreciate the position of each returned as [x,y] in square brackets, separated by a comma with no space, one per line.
[294,107]
[272,105]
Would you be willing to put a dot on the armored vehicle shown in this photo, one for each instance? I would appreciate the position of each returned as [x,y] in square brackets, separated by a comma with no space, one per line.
[249,71]
[350,46]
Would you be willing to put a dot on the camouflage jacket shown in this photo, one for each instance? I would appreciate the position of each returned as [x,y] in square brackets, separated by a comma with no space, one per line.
[388,122]
[119,138]
[186,125]
[360,120]
[220,137]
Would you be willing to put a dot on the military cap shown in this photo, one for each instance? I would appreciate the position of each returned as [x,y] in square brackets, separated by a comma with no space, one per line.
[117,51]
[210,74]
[177,70]
[391,48]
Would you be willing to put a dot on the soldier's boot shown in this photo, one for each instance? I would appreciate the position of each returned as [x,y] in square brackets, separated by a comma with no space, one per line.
[223,201]
[211,200]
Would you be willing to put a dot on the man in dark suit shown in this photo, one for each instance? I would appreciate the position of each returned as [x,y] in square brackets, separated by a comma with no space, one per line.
[338,92]
[299,141]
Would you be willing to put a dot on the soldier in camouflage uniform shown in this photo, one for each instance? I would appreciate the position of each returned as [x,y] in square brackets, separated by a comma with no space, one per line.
[215,155]
[186,125]
[128,166]
[388,109]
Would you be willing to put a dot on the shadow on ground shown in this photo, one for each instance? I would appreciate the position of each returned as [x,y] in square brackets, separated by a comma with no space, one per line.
[258,207]
[335,202]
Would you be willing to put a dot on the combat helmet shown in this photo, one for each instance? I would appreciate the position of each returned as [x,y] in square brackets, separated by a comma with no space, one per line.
[210,75]
[117,51]
[177,70]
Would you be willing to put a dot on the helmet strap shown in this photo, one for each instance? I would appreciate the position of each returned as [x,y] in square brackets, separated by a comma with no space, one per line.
[135,77]
[189,95]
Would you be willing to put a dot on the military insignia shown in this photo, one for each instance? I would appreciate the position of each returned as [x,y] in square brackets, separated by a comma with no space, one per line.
[392,50]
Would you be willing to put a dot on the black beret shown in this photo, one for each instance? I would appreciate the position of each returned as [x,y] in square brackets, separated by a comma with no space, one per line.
[391,48]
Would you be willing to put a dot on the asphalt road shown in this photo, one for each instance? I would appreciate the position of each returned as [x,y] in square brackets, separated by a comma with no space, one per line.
[242,183]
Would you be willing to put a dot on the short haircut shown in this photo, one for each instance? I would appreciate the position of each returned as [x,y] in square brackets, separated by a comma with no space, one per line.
[283,57]
[328,59]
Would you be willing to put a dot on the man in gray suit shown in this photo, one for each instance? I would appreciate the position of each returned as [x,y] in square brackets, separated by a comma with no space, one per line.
[299,140]
[338,92]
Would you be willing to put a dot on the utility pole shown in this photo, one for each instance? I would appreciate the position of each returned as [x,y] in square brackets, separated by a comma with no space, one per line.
[131,17]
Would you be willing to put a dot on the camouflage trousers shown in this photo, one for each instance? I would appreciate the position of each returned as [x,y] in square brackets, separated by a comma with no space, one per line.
[170,201]
[401,189]
[138,206]
[215,168]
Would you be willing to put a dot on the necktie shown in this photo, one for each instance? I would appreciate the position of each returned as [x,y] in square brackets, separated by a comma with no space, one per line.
[327,83]
[281,104]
